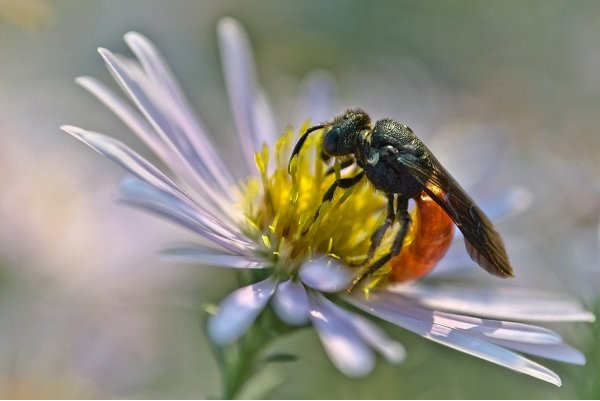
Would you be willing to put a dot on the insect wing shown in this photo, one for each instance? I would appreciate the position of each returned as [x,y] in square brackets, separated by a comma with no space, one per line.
[483,243]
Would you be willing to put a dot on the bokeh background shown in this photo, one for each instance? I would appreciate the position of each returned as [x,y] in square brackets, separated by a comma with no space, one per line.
[87,308]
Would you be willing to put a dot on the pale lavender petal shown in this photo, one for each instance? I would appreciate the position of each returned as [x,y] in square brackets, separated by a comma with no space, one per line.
[519,337]
[497,329]
[145,171]
[184,221]
[159,72]
[470,151]
[147,197]
[556,352]
[291,303]
[529,339]
[208,257]
[124,156]
[264,119]
[130,117]
[455,260]
[507,203]
[237,312]
[485,329]
[136,191]
[155,66]
[392,350]
[137,124]
[343,345]
[458,340]
[151,101]
[499,303]
[240,80]
[317,98]
[326,275]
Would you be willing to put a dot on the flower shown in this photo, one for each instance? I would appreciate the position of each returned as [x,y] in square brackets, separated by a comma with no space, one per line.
[263,224]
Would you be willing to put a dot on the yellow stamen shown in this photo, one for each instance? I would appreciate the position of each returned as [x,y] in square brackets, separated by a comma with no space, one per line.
[266,241]
[281,212]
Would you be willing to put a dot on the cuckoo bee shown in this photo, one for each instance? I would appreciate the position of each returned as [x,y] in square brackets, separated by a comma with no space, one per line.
[397,163]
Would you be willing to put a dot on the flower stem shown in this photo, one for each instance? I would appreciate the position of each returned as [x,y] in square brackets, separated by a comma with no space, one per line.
[240,361]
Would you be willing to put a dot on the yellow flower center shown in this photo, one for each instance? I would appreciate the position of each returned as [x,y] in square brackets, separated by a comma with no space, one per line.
[280,209]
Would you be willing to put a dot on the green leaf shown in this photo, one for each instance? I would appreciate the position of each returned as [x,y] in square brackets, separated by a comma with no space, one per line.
[279,358]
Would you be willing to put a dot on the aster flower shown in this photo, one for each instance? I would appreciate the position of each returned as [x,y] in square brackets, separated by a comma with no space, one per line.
[261,224]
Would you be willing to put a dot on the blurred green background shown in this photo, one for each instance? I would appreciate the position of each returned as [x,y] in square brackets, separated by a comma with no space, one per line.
[88,310]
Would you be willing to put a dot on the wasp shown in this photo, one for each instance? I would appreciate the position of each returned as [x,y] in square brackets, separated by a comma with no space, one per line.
[398,164]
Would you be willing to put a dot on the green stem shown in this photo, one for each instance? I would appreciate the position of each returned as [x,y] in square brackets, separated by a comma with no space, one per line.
[239,362]
[238,367]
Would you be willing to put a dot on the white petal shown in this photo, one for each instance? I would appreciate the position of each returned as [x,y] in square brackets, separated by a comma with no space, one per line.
[154,65]
[529,339]
[174,215]
[458,340]
[130,117]
[158,72]
[163,116]
[502,205]
[557,352]
[455,261]
[291,303]
[485,329]
[264,119]
[326,275]
[392,350]
[506,303]
[470,151]
[498,329]
[143,195]
[507,203]
[146,172]
[209,257]
[316,99]
[238,311]
[345,348]
[240,78]
[140,127]
[124,156]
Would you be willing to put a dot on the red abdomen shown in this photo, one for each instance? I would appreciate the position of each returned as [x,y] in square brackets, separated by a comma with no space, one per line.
[427,241]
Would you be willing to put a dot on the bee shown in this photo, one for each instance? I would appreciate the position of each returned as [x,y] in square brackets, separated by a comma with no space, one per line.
[398,164]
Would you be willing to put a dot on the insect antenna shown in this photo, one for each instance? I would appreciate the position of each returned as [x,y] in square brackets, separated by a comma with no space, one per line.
[301,142]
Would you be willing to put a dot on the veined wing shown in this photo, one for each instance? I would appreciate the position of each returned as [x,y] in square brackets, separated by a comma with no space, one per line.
[484,244]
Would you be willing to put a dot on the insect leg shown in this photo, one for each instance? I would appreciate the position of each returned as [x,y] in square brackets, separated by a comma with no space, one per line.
[341,183]
[377,236]
[405,220]
[343,165]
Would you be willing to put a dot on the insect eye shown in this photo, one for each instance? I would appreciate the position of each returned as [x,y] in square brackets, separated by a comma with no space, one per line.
[330,142]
